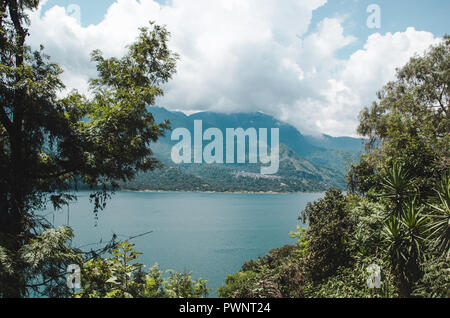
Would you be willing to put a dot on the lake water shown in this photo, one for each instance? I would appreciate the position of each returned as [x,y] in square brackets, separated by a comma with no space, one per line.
[209,234]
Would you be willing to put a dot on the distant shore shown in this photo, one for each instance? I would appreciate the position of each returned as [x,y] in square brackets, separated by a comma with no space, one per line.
[216,192]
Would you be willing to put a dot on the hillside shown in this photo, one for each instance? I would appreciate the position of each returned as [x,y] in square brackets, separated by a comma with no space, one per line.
[306,163]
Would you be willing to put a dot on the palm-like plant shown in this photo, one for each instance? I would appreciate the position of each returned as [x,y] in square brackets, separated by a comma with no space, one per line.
[406,237]
[415,224]
[440,227]
[398,187]
[394,238]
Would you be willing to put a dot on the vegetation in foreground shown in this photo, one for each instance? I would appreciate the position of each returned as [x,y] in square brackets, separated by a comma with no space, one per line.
[50,142]
[396,214]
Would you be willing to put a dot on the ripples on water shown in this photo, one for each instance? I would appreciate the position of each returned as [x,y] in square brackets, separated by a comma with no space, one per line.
[209,234]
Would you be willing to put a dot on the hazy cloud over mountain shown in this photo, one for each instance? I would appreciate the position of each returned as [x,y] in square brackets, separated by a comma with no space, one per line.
[244,56]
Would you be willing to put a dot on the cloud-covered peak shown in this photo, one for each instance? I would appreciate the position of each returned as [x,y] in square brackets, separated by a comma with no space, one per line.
[242,56]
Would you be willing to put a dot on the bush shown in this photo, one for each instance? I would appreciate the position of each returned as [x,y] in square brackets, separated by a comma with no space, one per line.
[121,277]
[330,226]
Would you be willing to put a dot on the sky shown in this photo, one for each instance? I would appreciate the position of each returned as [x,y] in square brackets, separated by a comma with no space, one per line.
[313,63]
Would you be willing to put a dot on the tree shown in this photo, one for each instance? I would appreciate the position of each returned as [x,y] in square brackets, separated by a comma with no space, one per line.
[49,144]
[398,188]
[406,239]
[440,229]
[408,153]
[409,123]
[329,227]
[396,215]
[40,265]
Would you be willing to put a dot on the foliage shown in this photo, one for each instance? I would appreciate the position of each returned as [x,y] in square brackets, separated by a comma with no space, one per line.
[351,282]
[441,217]
[41,264]
[409,122]
[397,187]
[275,275]
[361,177]
[329,225]
[119,276]
[302,240]
[50,142]
[405,240]
[181,285]
[435,282]
[332,260]
[396,214]
[368,238]
[239,285]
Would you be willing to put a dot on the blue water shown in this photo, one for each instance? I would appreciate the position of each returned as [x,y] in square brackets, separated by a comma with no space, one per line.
[209,234]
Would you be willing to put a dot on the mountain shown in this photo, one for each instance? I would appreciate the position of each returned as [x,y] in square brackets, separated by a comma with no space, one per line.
[343,144]
[336,152]
[289,135]
[307,163]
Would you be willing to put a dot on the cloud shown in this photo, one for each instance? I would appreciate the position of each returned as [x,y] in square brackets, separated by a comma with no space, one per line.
[366,71]
[242,56]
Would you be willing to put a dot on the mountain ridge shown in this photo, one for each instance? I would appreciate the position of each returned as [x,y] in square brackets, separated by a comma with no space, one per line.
[304,166]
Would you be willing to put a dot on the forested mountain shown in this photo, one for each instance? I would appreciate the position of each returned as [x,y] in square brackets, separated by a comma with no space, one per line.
[307,163]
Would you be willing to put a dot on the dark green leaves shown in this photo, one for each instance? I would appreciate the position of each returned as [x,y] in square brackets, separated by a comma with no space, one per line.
[121,276]
[51,144]
[440,229]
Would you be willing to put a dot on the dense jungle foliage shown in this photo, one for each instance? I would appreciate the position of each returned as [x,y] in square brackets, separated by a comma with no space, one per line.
[394,222]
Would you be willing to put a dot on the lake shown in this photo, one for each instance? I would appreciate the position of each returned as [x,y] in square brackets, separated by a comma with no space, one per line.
[209,234]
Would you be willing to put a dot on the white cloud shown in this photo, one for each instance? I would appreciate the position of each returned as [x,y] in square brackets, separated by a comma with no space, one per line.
[367,70]
[242,56]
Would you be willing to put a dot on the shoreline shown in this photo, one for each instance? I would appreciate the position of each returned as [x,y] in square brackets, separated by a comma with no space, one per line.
[217,192]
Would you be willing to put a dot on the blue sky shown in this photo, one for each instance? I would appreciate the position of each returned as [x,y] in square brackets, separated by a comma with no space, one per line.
[313,63]
[93,11]
[396,15]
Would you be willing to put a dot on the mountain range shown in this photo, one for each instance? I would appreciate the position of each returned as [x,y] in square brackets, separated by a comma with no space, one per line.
[307,163]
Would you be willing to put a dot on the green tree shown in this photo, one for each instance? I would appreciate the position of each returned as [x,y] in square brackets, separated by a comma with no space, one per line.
[279,274]
[397,187]
[435,282]
[49,144]
[329,227]
[40,265]
[406,239]
[410,122]
[407,155]
[394,216]
[440,216]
